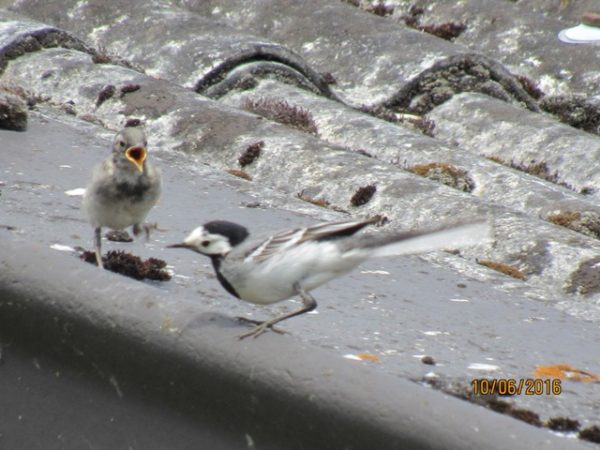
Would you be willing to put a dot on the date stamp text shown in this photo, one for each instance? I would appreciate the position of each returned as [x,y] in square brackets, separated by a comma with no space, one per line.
[514,386]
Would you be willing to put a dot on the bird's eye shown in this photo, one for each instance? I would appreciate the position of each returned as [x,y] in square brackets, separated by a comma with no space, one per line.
[122,144]
[205,243]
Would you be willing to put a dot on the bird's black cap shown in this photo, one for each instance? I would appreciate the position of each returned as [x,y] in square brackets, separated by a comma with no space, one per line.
[234,232]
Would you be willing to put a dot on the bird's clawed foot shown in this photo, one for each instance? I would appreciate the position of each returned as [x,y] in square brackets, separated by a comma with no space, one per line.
[146,228]
[261,327]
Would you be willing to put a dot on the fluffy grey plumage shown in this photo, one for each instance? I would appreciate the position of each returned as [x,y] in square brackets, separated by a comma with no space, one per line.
[123,188]
[294,262]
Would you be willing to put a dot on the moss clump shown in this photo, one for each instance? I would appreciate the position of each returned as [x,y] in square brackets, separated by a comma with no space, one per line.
[363,195]
[282,112]
[591,434]
[537,169]
[251,153]
[448,30]
[587,222]
[562,424]
[530,86]
[585,280]
[105,93]
[130,265]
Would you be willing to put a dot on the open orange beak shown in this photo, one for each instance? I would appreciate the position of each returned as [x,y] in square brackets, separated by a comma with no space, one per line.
[137,155]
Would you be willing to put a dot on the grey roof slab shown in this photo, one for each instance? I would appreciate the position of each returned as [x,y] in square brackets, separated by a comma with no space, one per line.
[567,11]
[170,42]
[160,353]
[206,40]
[219,134]
[116,331]
[492,128]
[443,305]
[404,147]
[523,40]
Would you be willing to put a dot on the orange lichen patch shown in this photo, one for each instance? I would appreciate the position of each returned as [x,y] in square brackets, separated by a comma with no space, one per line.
[503,268]
[368,357]
[446,174]
[319,202]
[240,174]
[566,372]
[315,201]
[586,222]
[564,219]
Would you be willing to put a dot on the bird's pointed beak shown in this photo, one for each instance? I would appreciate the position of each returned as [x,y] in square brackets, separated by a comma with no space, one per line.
[137,155]
[180,245]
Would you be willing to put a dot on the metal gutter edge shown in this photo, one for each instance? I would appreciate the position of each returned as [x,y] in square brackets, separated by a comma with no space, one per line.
[273,392]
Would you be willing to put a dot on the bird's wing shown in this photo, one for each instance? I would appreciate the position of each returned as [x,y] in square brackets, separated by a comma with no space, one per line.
[323,231]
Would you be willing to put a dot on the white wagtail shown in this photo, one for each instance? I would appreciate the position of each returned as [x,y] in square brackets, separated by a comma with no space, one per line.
[294,262]
[123,188]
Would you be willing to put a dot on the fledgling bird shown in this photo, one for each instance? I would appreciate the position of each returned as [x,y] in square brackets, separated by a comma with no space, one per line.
[123,188]
[294,262]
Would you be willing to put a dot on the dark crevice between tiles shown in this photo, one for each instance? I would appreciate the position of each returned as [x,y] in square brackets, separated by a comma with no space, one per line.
[264,54]
[50,37]
[578,111]
[245,77]
[416,122]
[448,31]
[541,170]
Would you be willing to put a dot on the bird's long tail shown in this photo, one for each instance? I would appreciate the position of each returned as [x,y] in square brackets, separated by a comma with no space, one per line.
[421,241]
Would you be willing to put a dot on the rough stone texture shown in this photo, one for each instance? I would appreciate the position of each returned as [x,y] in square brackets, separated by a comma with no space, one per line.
[330,60]
[13,112]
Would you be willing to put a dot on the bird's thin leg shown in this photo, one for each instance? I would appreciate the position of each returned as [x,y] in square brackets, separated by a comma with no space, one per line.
[259,322]
[137,229]
[98,245]
[147,228]
[308,301]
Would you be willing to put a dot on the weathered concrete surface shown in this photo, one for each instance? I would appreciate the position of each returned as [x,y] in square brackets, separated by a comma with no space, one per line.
[218,134]
[441,305]
[175,369]
[476,123]
[397,309]
[517,35]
